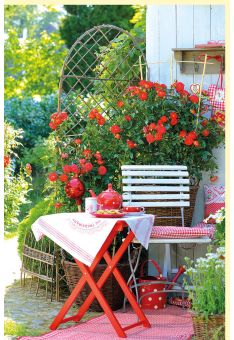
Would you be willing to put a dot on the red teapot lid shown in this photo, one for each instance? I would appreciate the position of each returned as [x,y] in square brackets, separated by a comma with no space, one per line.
[110,198]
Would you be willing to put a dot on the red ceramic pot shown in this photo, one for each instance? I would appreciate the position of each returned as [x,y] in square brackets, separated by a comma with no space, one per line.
[109,199]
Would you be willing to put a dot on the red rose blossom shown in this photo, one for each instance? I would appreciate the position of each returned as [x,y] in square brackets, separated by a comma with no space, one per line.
[117,136]
[64,155]
[143,96]
[163,119]
[173,122]
[194,99]
[82,161]
[102,170]
[101,121]
[158,136]
[63,178]
[93,113]
[100,161]
[127,118]
[88,166]
[66,168]
[196,143]
[182,134]
[63,116]
[97,155]
[87,153]
[131,144]
[53,176]
[77,141]
[205,133]
[53,126]
[6,161]
[74,168]
[179,86]
[188,141]
[120,103]
[161,129]
[204,122]
[161,94]
[192,134]
[115,129]
[174,115]
[150,138]
[58,205]
[152,126]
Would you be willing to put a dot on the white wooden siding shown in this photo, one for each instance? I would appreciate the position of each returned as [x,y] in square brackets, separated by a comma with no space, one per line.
[175,26]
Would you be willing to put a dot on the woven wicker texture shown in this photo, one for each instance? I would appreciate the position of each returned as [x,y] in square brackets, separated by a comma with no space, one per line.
[168,212]
[111,289]
[213,328]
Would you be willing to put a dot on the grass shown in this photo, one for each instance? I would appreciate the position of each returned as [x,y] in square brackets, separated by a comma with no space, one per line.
[17,329]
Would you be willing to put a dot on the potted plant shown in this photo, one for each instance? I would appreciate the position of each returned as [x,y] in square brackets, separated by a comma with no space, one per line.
[207,276]
[219,219]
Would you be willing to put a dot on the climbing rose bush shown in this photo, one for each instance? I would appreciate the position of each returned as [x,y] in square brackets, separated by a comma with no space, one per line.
[149,124]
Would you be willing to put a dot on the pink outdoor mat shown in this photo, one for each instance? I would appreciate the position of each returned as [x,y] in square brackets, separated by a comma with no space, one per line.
[171,323]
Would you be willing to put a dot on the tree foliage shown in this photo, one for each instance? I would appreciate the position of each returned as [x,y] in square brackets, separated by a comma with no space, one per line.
[82,18]
[34,52]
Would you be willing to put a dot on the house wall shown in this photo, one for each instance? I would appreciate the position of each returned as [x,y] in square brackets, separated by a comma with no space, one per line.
[183,26]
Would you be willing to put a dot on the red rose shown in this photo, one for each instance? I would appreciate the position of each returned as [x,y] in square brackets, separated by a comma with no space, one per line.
[173,122]
[161,129]
[54,115]
[146,84]
[145,129]
[87,153]
[53,126]
[82,161]
[194,99]
[128,118]
[184,93]
[63,178]
[131,144]
[143,96]
[101,121]
[152,126]
[63,116]
[204,122]
[117,136]
[188,141]
[120,103]
[196,143]
[179,86]
[66,168]
[64,155]
[205,133]
[97,155]
[102,170]
[57,205]
[161,94]
[174,115]
[100,161]
[158,136]
[115,129]
[74,168]
[193,111]
[163,119]
[28,168]
[88,166]
[93,113]
[77,141]
[182,134]
[192,134]
[6,161]
[150,138]
[53,176]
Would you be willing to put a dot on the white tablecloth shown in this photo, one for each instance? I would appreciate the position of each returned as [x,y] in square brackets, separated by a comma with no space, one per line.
[83,235]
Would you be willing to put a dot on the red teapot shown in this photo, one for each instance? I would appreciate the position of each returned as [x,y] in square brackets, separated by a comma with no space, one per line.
[108,199]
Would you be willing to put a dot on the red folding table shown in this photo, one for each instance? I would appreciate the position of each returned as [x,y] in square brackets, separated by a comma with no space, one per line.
[96,286]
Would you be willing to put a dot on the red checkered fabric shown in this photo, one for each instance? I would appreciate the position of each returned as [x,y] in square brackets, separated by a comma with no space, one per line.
[182,232]
[217,97]
[214,198]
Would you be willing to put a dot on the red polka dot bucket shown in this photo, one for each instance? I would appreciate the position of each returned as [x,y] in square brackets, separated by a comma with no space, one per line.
[151,291]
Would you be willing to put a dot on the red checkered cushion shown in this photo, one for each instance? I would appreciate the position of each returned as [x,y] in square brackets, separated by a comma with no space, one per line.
[201,229]
[214,198]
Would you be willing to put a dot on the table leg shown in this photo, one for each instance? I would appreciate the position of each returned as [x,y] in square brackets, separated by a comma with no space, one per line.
[130,296]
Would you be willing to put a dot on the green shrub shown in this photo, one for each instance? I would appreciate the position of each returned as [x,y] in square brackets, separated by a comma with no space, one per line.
[16,187]
[32,116]
[45,207]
